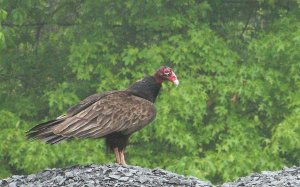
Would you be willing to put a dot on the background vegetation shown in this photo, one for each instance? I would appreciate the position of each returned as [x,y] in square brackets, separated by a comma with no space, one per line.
[236,111]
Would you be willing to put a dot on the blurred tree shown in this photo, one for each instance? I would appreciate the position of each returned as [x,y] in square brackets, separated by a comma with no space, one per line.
[235,112]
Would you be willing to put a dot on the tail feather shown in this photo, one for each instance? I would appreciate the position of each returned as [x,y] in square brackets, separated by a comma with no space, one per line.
[55,139]
[44,131]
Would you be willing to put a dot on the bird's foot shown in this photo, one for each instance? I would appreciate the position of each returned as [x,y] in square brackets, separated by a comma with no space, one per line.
[124,164]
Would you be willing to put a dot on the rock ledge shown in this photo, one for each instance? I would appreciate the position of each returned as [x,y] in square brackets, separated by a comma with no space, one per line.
[285,177]
[102,175]
[116,175]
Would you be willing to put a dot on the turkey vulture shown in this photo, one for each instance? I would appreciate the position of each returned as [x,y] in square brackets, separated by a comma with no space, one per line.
[112,115]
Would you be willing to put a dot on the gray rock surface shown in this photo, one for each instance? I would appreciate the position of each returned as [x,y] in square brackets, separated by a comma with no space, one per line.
[116,175]
[285,177]
[102,175]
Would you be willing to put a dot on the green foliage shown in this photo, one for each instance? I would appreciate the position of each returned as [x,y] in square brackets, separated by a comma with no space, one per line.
[237,107]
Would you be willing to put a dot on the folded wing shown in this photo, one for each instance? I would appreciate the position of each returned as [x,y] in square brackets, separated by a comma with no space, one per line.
[114,112]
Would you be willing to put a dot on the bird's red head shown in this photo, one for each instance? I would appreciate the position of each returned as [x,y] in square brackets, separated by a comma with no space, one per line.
[165,73]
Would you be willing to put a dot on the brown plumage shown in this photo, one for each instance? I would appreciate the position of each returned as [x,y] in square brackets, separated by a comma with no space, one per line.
[114,115]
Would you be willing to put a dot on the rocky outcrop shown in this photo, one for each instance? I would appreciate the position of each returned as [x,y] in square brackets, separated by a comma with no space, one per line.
[282,178]
[116,175]
[106,175]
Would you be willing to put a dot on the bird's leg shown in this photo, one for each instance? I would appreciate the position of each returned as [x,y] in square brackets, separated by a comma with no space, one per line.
[122,157]
[118,160]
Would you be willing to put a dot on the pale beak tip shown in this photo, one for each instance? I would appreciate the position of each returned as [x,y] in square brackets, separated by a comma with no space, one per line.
[176,82]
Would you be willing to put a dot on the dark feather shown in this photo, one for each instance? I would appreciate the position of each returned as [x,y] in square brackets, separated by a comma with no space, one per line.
[42,128]
[116,112]
[86,102]
[101,115]
[44,131]
[111,112]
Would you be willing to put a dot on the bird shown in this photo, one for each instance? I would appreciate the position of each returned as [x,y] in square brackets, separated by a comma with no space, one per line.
[112,115]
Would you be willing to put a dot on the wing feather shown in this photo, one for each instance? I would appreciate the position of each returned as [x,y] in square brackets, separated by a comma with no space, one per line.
[114,112]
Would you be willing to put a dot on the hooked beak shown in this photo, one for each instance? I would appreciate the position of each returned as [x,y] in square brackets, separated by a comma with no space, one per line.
[176,82]
[173,78]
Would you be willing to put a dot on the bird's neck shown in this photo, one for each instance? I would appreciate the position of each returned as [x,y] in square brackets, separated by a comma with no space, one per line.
[147,88]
